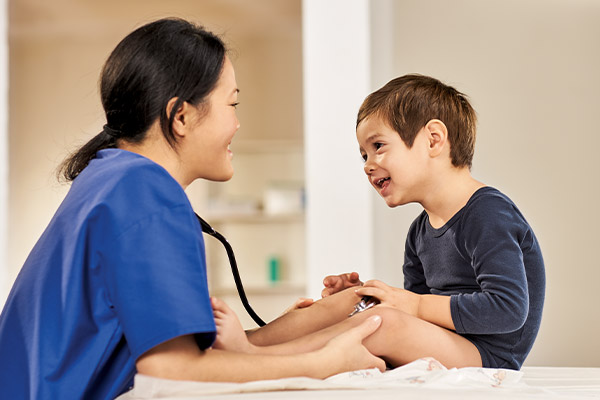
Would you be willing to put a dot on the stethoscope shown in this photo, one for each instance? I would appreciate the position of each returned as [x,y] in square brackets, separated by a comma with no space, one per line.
[364,304]
[206,228]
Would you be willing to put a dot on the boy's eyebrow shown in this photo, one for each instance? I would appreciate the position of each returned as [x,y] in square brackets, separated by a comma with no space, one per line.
[372,137]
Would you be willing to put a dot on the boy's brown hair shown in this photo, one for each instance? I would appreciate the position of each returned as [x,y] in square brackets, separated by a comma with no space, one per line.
[407,103]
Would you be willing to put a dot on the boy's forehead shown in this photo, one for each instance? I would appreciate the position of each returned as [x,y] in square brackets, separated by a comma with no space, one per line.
[368,132]
[370,128]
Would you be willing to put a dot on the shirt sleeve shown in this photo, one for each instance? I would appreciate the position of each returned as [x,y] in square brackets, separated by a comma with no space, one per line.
[414,276]
[156,279]
[493,244]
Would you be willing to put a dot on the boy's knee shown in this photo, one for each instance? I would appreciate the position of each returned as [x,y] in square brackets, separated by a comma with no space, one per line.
[393,321]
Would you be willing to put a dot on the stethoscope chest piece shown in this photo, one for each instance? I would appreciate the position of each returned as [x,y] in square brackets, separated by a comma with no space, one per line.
[364,304]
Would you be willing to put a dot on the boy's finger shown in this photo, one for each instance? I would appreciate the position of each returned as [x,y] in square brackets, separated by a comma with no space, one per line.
[331,280]
[375,283]
[353,277]
[370,291]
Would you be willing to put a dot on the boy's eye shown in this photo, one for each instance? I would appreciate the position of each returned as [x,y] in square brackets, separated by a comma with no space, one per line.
[377,145]
[364,157]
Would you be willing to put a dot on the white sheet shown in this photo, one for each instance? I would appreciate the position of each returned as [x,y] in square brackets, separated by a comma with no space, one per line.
[425,379]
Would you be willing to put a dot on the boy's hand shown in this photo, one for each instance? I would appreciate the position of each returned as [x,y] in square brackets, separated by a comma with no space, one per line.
[393,297]
[336,283]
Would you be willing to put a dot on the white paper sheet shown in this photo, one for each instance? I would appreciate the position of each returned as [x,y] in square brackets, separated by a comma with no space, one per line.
[424,373]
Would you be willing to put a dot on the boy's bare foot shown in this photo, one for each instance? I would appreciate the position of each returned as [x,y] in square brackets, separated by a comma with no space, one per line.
[230,334]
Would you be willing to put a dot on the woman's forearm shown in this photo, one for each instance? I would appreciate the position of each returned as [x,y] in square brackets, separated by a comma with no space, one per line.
[181,359]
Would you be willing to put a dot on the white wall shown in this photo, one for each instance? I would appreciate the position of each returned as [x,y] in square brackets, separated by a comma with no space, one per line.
[336,77]
[531,71]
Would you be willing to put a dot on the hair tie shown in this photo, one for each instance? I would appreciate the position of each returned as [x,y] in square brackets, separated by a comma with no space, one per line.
[113,133]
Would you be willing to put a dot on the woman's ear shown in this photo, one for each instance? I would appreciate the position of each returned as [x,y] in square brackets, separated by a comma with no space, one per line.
[182,117]
[437,136]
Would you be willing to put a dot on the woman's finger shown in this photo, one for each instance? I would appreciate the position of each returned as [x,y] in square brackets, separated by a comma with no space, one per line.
[366,328]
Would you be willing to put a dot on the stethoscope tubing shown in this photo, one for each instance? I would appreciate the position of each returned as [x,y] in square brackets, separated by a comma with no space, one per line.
[206,228]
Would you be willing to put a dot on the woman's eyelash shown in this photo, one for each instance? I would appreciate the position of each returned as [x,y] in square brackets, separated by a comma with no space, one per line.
[235,104]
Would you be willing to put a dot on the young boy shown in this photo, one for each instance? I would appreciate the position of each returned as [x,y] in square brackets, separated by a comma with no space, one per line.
[473,270]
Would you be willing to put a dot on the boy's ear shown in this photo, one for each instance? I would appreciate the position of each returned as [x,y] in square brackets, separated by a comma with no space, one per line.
[437,136]
[182,116]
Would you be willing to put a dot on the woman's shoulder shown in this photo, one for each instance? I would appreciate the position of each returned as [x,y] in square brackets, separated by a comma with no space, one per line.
[116,169]
[127,184]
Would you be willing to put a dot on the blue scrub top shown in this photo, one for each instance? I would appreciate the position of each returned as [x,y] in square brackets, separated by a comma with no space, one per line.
[120,269]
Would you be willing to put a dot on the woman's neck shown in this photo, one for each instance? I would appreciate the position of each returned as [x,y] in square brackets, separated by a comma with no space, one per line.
[156,148]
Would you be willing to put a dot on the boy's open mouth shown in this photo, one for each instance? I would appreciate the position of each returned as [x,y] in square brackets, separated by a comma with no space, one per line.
[381,181]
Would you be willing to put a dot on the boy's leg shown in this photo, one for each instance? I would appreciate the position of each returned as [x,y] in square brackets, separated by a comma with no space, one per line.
[300,322]
[400,339]
[403,338]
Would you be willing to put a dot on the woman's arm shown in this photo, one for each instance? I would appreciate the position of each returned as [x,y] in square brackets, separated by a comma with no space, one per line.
[181,359]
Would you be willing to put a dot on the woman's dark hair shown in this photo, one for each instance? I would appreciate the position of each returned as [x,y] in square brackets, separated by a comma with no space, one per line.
[165,59]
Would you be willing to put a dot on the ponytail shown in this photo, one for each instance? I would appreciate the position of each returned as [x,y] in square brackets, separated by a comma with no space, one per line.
[76,162]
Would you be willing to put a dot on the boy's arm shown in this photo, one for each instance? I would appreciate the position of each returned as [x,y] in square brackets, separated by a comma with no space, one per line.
[300,322]
[428,307]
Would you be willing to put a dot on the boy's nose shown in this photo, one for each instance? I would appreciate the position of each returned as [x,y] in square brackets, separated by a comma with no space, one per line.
[369,168]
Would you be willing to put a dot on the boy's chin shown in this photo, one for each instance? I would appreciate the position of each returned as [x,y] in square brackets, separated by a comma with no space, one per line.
[393,203]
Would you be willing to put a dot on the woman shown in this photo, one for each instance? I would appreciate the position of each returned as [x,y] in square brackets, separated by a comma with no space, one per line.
[117,282]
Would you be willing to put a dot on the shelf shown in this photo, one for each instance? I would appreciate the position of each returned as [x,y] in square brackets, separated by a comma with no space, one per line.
[254,218]
[277,289]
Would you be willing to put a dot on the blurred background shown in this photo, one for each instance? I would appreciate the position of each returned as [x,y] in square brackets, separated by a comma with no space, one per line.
[299,207]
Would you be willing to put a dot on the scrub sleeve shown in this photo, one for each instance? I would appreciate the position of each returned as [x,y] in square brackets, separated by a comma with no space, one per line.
[156,282]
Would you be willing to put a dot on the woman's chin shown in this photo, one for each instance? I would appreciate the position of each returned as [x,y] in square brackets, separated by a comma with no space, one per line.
[224,177]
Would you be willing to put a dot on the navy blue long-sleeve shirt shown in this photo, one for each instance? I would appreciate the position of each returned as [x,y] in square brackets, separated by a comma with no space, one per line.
[487,258]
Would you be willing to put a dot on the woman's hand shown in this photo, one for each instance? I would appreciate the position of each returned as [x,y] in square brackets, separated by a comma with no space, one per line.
[393,297]
[346,352]
[301,302]
[336,283]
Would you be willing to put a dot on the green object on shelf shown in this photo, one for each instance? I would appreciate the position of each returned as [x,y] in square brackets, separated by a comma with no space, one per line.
[274,269]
